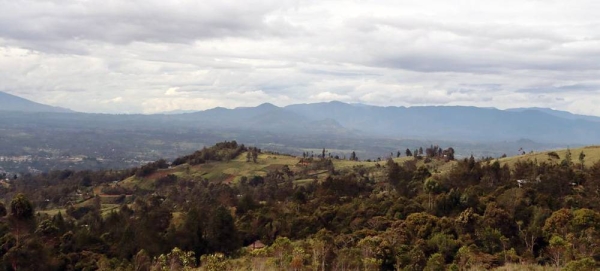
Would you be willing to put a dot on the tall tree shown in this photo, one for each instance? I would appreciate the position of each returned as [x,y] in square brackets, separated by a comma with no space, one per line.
[353,156]
[222,234]
[21,213]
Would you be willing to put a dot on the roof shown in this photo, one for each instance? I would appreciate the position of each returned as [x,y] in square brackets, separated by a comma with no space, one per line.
[256,245]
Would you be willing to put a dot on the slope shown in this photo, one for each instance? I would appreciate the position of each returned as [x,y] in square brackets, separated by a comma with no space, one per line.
[592,155]
[10,102]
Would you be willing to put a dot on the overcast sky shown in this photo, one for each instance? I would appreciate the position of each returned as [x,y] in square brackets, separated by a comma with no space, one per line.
[146,56]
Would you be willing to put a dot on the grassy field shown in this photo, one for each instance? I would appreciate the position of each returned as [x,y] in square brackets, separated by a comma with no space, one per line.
[592,155]
[230,172]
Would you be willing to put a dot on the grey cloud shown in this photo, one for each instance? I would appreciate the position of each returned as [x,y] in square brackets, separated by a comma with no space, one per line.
[126,55]
[560,89]
[127,21]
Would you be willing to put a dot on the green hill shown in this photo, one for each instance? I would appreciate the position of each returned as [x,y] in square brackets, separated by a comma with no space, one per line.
[592,155]
[232,207]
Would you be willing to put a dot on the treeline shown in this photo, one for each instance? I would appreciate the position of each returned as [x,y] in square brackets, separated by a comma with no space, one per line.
[392,217]
[222,151]
[434,151]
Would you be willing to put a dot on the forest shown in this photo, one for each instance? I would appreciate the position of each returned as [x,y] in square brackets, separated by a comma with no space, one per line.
[412,210]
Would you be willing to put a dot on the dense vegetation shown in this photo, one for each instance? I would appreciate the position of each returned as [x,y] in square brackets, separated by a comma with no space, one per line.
[320,213]
[41,142]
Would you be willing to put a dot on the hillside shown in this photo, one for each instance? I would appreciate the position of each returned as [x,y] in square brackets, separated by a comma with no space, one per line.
[232,207]
[10,102]
[591,156]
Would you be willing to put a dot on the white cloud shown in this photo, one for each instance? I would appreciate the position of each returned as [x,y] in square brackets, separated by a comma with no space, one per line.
[113,100]
[172,91]
[328,96]
[168,55]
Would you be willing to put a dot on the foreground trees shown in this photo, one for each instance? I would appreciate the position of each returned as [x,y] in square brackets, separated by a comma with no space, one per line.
[394,216]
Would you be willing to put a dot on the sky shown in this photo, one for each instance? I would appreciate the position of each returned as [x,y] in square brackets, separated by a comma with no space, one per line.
[147,56]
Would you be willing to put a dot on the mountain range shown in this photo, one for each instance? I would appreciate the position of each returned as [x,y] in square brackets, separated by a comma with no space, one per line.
[453,123]
[456,123]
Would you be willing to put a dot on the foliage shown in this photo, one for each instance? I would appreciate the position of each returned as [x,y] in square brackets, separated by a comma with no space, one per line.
[307,214]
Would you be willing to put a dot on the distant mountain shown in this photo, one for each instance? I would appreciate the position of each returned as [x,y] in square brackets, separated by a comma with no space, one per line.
[337,120]
[370,131]
[456,123]
[265,117]
[176,112]
[10,102]
[557,113]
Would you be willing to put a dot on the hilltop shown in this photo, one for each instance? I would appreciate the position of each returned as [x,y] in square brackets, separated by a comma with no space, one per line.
[591,154]
[231,206]
[233,171]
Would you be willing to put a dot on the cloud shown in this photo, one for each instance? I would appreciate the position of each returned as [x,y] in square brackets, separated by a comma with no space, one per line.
[168,55]
[113,100]
[129,21]
[172,91]
[328,96]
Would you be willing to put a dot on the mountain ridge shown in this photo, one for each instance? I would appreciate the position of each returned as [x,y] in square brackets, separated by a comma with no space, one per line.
[338,119]
[9,102]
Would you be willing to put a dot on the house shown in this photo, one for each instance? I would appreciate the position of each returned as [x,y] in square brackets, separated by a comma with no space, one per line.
[523,182]
[256,245]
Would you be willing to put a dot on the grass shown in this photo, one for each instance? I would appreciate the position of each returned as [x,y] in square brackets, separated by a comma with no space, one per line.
[592,155]
[345,164]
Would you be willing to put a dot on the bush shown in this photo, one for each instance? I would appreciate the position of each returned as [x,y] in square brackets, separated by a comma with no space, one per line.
[585,264]
[553,155]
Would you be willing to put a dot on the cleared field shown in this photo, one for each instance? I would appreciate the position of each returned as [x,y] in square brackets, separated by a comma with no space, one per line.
[230,172]
[592,155]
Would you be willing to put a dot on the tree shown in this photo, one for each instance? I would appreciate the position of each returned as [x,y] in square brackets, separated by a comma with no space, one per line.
[581,159]
[222,234]
[553,155]
[431,186]
[558,223]
[557,250]
[142,261]
[191,232]
[585,264]
[21,213]
[254,155]
[593,182]
[449,153]
[398,177]
[568,159]
[408,152]
[435,262]
[177,259]
[214,262]
[31,255]
[2,210]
